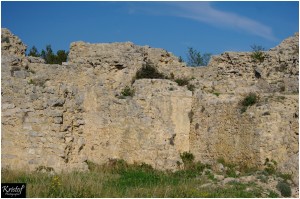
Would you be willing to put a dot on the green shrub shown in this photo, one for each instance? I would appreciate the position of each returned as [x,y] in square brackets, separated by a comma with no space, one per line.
[257,53]
[187,159]
[258,56]
[249,100]
[182,81]
[148,71]
[284,189]
[185,82]
[127,91]
[270,166]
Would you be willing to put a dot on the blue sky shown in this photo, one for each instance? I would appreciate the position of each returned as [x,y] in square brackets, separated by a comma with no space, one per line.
[212,27]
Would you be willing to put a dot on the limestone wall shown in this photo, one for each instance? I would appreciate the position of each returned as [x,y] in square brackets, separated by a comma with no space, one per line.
[61,116]
[152,126]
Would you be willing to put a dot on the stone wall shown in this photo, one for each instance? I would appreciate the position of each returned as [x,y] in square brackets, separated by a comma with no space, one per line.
[62,116]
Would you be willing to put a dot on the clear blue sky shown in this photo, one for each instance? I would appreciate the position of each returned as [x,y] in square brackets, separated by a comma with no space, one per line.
[212,27]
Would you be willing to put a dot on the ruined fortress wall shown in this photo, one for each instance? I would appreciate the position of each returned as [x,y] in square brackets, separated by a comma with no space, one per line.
[62,116]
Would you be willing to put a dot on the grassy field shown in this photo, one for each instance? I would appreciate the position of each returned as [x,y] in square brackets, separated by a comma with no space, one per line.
[122,180]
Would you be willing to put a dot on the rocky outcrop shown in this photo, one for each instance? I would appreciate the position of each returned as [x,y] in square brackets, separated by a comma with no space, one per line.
[11,44]
[62,116]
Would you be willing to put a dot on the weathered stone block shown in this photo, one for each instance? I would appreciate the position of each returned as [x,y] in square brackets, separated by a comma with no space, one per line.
[56,113]
[58,120]
[56,101]
[20,74]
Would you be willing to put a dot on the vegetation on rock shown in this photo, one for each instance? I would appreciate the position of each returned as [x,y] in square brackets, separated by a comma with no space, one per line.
[249,100]
[284,189]
[257,53]
[182,81]
[117,178]
[187,158]
[195,58]
[127,91]
[149,71]
[49,56]
[185,82]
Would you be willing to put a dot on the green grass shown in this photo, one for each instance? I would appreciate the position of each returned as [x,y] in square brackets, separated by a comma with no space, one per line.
[119,179]
[236,190]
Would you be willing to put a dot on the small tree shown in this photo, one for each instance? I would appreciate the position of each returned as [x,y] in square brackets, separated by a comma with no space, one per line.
[34,52]
[206,57]
[61,56]
[180,59]
[51,58]
[196,59]
[48,55]
[257,53]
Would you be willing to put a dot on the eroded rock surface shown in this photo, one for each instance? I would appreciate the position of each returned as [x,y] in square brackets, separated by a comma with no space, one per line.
[62,116]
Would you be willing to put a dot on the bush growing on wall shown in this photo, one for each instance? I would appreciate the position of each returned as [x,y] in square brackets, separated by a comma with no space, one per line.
[148,71]
[127,91]
[257,53]
[187,158]
[249,100]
